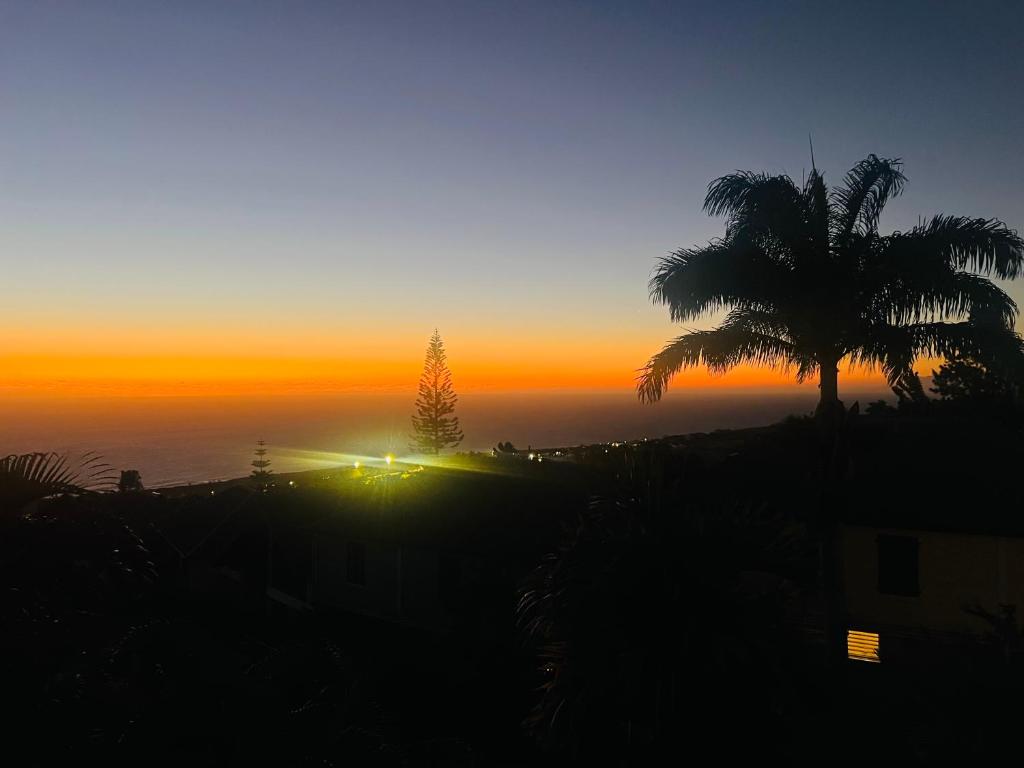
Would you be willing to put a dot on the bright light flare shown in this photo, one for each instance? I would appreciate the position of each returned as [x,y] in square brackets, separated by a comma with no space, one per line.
[307,459]
[303,460]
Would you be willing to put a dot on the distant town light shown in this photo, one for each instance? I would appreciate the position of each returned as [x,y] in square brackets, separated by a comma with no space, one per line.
[389,458]
[532,456]
[356,465]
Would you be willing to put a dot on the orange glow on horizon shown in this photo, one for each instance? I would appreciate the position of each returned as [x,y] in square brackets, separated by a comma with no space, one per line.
[153,375]
[77,361]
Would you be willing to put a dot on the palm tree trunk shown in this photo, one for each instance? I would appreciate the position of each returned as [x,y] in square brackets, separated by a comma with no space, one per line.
[829,384]
[828,401]
[834,425]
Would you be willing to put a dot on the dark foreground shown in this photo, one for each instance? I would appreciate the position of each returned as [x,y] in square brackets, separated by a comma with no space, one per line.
[617,603]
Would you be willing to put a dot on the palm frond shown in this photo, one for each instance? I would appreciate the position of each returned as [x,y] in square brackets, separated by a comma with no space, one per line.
[724,273]
[894,348]
[739,192]
[760,321]
[27,477]
[998,348]
[775,325]
[868,186]
[763,209]
[888,348]
[719,350]
[944,294]
[987,246]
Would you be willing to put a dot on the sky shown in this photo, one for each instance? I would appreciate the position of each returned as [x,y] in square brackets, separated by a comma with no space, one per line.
[258,197]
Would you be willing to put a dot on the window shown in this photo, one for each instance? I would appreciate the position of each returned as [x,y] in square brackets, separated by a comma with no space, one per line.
[355,563]
[862,646]
[898,565]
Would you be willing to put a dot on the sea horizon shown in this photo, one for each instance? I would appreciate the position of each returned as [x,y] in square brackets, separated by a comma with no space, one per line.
[195,439]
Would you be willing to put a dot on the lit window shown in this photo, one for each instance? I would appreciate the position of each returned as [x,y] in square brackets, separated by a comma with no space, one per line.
[862,646]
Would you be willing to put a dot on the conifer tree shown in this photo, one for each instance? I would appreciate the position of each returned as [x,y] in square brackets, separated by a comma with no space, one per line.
[434,426]
[260,473]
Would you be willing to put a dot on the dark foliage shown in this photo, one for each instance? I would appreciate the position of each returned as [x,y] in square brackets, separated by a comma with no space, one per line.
[660,620]
[28,477]
[909,392]
[967,381]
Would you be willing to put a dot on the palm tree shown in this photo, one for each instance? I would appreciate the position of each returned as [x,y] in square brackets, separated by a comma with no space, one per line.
[808,282]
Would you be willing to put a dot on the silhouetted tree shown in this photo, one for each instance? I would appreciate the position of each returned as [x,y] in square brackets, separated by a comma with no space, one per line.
[809,282]
[963,379]
[130,482]
[260,473]
[880,408]
[434,426]
[910,392]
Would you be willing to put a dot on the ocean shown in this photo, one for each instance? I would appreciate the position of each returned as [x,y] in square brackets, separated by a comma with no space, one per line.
[178,440]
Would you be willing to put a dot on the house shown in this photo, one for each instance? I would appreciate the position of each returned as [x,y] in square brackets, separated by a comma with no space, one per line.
[917,595]
[932,540]
[379,577]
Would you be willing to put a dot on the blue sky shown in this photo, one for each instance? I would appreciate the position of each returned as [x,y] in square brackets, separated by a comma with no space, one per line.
[480,166]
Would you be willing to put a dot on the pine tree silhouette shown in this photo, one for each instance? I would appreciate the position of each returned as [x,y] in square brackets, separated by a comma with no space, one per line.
[434,426]
[260,463]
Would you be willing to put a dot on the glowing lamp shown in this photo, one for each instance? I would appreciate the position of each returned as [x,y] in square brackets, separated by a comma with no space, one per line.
[389,458]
